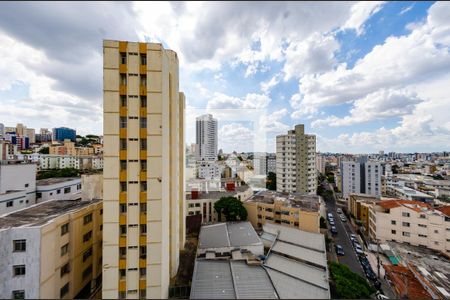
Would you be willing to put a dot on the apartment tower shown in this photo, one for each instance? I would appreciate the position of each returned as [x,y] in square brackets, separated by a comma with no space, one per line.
[206,137]
[296,162]
[362,178]
[143,177]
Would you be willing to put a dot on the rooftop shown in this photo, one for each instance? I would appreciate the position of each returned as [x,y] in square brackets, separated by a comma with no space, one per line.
[411,204]
[42,213]
[218,194]
[297,200]
[50,181]
[409,191]
[230,234]
[405,281]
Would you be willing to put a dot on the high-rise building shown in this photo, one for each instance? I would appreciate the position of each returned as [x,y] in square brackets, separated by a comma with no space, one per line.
[206,134]
[2,129]
[296,162]
[20,129]
[62,133]
[320,163]
[30,133]
[361,178]
[143,177]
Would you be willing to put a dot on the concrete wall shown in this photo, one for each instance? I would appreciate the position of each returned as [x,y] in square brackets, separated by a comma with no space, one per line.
[92,186]
[56,191]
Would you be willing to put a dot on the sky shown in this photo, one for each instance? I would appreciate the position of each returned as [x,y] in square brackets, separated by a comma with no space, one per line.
[361,76]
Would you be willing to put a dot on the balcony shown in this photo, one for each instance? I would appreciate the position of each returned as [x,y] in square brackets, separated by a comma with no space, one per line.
[123,111]
[122,263]
[123,175]
[143,90]
[123,133]
[123,154]
[123,219]
[143,240]
[143,133]
[142,283]
[143,112]
[143,176]
[143,218]
[143,197]
[122,241]
[122,89]
[123,197]
[122,285]
[142,263]
[143,154]
[122,68]
[143,69]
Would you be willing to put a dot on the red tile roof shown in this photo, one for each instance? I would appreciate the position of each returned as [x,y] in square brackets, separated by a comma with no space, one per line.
[445,210]
[389,204]
[404,281]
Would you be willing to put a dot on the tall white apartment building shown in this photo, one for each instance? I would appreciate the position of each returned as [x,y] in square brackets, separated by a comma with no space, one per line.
[206,137]
[143,174]
[271,163]
[296,162]
[260,163]
[362,178]
[320,163]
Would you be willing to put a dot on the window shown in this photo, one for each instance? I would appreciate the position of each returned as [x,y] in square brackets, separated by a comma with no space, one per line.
[64,229]
[101,227]
[87,219]
[405,214]
[423,225]
[143,165]
[122,252]
[123,186]
[406,234]
[143,186]
[142,272]
[143,80]
[123,58]
[27,185]
[123,101]
[143,228]
[393,231]
[123,208]
[123,144]
[123,164]
[143,101]
[143,122]
[142,294]
[123,79]
[405,224]
[64,290]
[9,204]
[422,216]
[19,270]
[87,254]
[67,190]
[143,144]
[87,272]
[143,60]
[393,222]
[19,245]
[18,294]
[123,122]
[122,295]
[64,249]
[122,273]
[143,252]
[436,231]
[65,269]
[422,235]
[87,236]
[123,229]
[143,208]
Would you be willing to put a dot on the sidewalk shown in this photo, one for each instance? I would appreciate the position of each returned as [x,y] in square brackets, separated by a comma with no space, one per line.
[387,290]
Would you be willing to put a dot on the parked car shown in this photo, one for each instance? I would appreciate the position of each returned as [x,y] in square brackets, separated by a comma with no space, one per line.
[343,218]
[333,230]
[364,261]
[380,296]
[358,249]
[330,215]
[339,250]
[339,210]
[332,222]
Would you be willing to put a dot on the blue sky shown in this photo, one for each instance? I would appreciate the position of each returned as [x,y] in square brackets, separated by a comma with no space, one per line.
[362,76]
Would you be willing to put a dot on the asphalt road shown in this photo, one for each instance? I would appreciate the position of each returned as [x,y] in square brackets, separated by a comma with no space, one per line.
[343,238]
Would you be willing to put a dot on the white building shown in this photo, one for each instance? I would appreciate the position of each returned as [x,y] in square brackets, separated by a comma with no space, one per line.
[206,138]
[320,163]
[69,161]
[296,162]
[207,170]
[271,164]
[260,164]
[17,185]
[58,189]
[400,191]
[362,178]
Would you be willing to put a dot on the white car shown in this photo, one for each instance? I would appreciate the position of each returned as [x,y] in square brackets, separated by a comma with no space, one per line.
[339,210]
[343,218]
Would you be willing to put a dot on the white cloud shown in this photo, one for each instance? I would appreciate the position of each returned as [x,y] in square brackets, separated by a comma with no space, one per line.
[405,10]
[231,135]
[251,101]
[360,13]
[381,104]
[268,85]
[272,123]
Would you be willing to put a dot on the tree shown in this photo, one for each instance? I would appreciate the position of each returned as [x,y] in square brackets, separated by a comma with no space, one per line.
[44,150]
[232,209]
[271,182]
[347,284]
[323,223]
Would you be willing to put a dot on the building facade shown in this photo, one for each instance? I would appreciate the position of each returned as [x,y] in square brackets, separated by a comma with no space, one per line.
[206,137]
[62,133]
[296,162]
[360,177]
[51,250]
[143,175]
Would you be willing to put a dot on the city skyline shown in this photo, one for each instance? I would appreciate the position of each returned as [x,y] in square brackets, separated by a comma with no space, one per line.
[341,69]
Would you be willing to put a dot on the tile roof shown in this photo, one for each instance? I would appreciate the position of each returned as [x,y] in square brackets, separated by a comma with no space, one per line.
[389,204]
[445,210]
[404,281]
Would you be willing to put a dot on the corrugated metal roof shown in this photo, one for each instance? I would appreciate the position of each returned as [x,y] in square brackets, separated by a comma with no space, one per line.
[231,234]
[214,236]
[293,235]
[251,282]
[304,272]
[212,280]
[242,234]
[291,288]
[298,252]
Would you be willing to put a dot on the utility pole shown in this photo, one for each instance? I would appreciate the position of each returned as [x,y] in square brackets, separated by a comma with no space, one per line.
[378,258]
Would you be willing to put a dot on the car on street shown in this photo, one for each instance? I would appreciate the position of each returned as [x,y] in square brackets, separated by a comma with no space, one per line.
[343,218]
[333,230]
[331,222]
[353,237]
[358,249]
[380,296]
[339,210]
[330,216]
[339,250]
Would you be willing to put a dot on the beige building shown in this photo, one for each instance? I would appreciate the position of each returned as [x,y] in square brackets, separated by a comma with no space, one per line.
[143,175]
[52,250]
[296,162]
[413,222]
[359,207]
[300,211]
[68,148]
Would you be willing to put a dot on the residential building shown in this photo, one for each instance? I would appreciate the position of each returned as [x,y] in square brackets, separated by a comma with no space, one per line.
[51,250]
[31,134]
[413,222]
[260,164]
[300,211]
[207,169]
[2,129]
[201,202]
[65,188]
[47,161]
[143,177]
[271,163]
[360,177]
[320,163]
[400,191]
[296,162]
[44,136]
[21,129]
[17,185]
[359,206]
[206,137]
[62,133]
[8,150]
